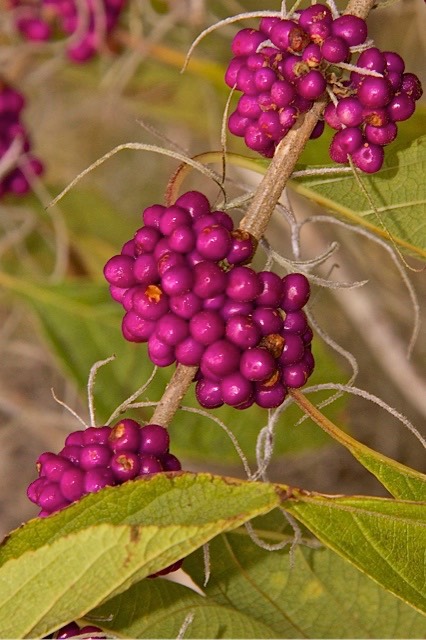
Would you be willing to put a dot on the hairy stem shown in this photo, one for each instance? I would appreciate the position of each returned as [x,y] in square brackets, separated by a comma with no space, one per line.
[258,215]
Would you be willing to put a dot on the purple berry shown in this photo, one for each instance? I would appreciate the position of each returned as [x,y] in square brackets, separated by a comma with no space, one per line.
[287,35]
[155,440]
[294,349]
[335,49]
[411,85]
[295,322]
[145,269]
[207,327]
[146,240]
[258,140]
[242,331]
[125,436]
[243,246]
[97,479]
[189,352]
[135,328]
[172,329]
[150,303]
[246,42]
[53,466]
[172,218]
[351,28]
[344,143]
[149,464]
[95,435]
[221,358]
[271,293]
[177,280]
[160,353]
[401,107]
[236,389]
[214,242]
[349,112]
[295,375]
[243,284]
[72,484]
[295,291]
[118,271]
[169,462]
[125,465]
[394,62]
[209,393]
[381,135]
[195,203]
[312,85]
[209,280]
[282,93]
[270,397]
[374,92]
[268,319]
[257,364]
[94,455]
[185,305]
[369,157]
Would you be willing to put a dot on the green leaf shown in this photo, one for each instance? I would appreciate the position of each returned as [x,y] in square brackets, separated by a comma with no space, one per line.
[398,192]
[401,481]
[54,570]
[384,538]
[254,593]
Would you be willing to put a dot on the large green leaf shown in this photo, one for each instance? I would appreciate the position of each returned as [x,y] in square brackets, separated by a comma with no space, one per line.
[401,481]
[398,192]
[56,569]
[254,593]
[384,538]
[135,529]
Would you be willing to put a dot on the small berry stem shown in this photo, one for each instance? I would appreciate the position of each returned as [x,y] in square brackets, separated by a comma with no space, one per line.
[258,215]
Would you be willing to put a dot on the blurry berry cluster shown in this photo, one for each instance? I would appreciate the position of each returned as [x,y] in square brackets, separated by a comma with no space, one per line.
[287,64]
[86,23]
[183,283]
[15,143]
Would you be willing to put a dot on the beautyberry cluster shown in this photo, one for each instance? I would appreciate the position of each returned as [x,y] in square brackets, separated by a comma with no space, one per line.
[72,630]
[98,457]
[87,23]
[13,131]
[187,292]
[287,64]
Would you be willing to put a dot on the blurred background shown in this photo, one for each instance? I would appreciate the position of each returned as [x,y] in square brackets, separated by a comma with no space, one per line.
[56,317]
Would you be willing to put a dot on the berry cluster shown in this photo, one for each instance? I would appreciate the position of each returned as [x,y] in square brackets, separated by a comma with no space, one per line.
[71,630]
[285,65]
[12,130]
[86,23]
[183,283]
[98,457]
[366,116]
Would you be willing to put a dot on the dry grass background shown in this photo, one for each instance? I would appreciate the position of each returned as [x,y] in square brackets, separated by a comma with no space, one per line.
[74,122]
